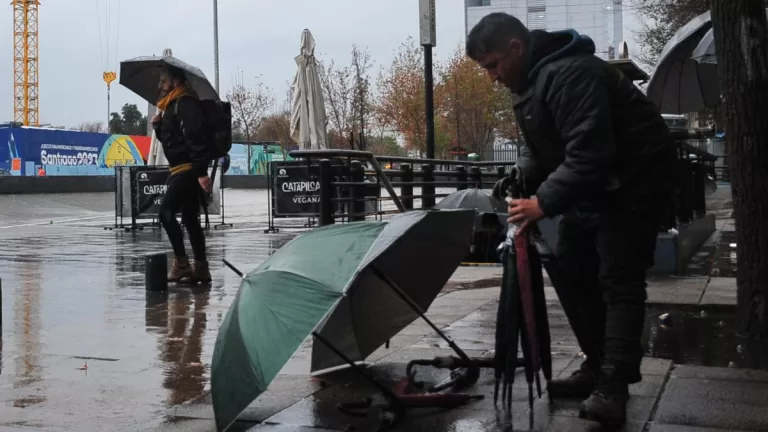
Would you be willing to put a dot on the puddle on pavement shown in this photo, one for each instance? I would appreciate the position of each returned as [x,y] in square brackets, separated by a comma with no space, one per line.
[704,337]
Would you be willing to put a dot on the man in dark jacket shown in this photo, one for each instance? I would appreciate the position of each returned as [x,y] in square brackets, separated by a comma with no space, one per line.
[599,153]
[179,127]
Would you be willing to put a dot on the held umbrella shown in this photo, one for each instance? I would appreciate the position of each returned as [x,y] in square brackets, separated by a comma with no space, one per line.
[674,86]
[156,153]
[141,75]
[356,285]
[705,56]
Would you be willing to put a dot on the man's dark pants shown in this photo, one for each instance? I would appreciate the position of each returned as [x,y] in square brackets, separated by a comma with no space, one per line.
[603,256]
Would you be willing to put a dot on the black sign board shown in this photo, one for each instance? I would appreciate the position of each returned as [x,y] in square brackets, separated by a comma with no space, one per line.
[296,189]
[151,187]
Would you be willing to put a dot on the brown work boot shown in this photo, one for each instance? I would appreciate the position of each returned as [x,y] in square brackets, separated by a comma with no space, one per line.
[180,269]
[580,384]
[202,272]
[608,403]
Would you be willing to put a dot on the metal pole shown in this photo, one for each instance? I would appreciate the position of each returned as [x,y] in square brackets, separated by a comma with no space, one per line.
[216,43]
[429,102]
[109,114]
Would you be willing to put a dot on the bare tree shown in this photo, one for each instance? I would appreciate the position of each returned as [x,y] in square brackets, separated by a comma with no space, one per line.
[337,85]
[95,127]
[348,97]
[276,127]
[362,96]
[250,106]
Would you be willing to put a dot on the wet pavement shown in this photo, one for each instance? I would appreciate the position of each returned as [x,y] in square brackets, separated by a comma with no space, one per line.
[83,347]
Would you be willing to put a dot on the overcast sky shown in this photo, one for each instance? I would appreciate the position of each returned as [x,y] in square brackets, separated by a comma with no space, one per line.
[255,37]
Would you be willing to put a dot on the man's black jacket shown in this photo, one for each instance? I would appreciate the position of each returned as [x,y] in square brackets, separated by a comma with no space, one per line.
[589,132]
[182,133]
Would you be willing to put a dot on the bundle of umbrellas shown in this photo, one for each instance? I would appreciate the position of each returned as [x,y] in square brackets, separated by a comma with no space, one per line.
[521,318]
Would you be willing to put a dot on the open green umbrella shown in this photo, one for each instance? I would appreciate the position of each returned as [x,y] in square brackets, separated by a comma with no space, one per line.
[345,282]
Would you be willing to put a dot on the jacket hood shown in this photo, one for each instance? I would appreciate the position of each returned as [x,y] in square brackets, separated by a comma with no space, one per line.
[547,47]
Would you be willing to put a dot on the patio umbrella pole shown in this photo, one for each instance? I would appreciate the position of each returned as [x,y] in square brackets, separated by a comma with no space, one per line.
[416,309]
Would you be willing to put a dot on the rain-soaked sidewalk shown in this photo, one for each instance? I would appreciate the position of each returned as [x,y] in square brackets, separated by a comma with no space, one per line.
[84,348]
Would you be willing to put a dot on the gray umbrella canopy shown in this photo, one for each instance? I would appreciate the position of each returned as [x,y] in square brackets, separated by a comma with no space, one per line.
[141,75]
[705,57]
[477,199]
[705,52]
[417,252]
[674,85]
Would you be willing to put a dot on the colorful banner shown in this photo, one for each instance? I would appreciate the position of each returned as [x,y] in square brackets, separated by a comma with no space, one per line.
[254,156]
[24,150]
[61,152]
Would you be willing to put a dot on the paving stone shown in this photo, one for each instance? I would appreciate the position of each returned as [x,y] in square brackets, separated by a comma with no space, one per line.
[676,428]
[716,373]
[714,403]
[676,290]
[270,427]
[739,392]
[720,292]
[655,366]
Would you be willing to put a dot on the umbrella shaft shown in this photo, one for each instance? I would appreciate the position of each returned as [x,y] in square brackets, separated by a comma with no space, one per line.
[418,310]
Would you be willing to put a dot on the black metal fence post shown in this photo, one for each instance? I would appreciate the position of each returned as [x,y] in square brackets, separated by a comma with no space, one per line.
[428,187]
[357,192]
[326,193]
[501,172]
[461,178]
[698,189]
[477,177]
[406,190]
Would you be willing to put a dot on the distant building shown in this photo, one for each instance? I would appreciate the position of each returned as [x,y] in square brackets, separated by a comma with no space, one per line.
[601,20]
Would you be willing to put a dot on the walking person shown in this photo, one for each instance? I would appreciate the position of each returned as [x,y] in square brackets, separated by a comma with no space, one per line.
[599,153]
[179,127]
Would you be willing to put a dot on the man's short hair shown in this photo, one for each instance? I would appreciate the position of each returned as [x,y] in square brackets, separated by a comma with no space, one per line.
[493,33]
[176,73]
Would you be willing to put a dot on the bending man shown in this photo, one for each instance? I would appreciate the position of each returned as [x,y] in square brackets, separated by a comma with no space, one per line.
[599,153]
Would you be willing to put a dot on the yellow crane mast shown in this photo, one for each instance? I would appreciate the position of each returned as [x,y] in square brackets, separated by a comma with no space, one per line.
[25,61]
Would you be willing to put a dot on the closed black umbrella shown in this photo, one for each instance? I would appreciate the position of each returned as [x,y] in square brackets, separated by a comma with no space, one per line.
[142,74]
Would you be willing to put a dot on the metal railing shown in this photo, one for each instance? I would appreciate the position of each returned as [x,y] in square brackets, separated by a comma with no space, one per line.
[346,178]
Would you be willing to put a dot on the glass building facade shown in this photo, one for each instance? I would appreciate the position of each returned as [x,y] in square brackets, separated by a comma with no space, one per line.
[601,20]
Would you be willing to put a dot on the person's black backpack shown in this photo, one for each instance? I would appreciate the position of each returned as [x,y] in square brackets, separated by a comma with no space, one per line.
[218,124]
[217,119]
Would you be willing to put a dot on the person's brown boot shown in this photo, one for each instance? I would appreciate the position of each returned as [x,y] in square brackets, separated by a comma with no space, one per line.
[180,269]
[202,272]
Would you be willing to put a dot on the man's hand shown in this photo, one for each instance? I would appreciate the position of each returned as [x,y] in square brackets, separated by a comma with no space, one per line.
[524,212]
[205,183]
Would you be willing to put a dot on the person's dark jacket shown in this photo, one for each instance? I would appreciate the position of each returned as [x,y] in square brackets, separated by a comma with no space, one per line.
[182,134]
[589,132]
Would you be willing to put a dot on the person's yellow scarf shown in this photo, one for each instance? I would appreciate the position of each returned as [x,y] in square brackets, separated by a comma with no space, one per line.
[172,95]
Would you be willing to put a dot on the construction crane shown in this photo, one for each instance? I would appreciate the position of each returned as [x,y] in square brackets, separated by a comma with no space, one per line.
[25,61]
